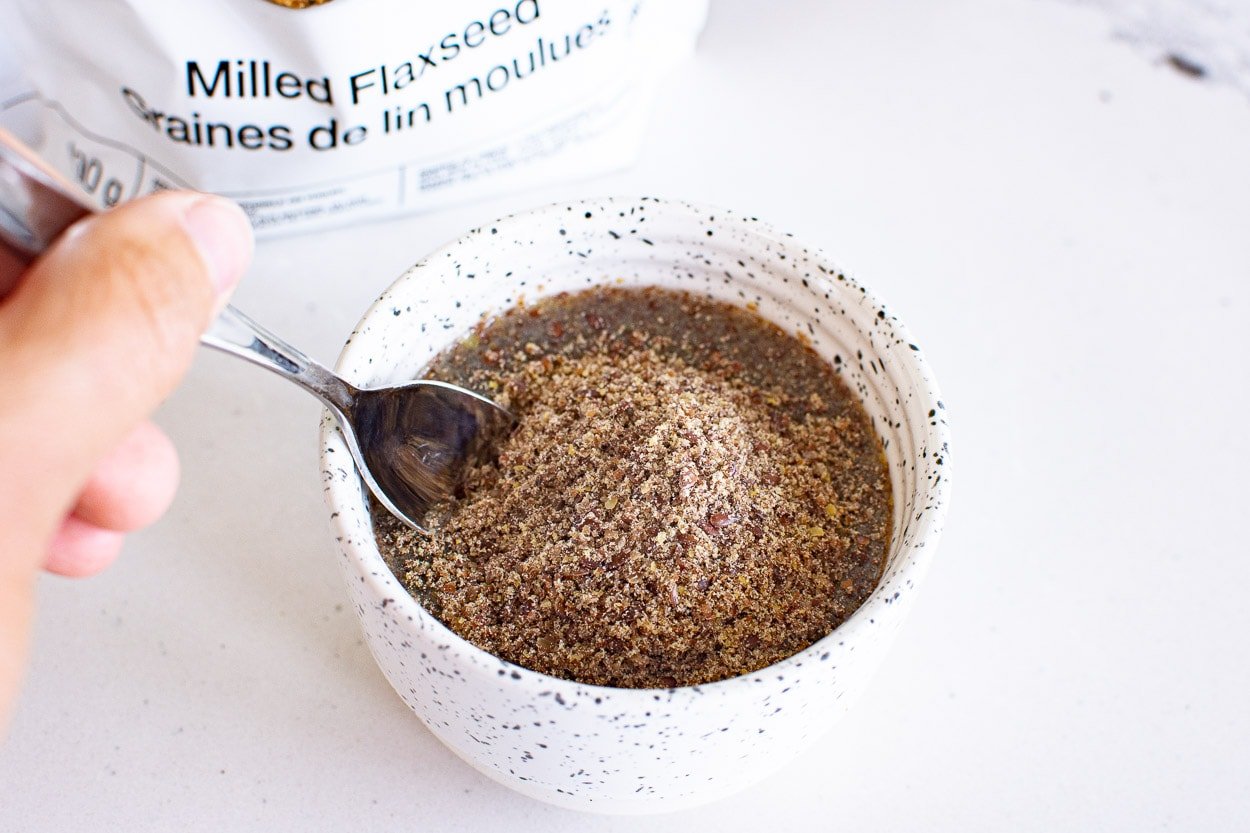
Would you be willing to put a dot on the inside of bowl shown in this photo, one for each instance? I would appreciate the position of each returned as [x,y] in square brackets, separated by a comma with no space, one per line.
[674,245]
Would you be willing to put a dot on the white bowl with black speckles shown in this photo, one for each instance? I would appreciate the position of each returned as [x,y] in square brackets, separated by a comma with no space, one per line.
[639,750]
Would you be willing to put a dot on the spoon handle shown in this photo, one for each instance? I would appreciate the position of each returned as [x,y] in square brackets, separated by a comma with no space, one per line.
[234,333]
[37,205]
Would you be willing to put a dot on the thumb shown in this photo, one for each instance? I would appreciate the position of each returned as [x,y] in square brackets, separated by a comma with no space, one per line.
[100,330]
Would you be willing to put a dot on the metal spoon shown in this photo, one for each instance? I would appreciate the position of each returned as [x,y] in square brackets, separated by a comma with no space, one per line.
[412,443]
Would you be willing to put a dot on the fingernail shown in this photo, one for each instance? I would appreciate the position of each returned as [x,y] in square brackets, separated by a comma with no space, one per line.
[223,235]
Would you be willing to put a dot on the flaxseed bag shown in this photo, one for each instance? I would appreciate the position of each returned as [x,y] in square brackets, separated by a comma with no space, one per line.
[313,113]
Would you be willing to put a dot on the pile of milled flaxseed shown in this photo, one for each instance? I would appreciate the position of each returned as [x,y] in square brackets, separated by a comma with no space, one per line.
[661,516]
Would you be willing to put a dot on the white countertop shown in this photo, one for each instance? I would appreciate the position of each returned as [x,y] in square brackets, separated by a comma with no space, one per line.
[1064,223]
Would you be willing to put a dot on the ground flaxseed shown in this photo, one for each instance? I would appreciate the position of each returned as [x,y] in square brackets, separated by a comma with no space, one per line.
[690,494]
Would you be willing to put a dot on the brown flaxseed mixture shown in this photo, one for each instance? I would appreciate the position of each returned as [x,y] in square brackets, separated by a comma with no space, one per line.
[299,4]
[690,494]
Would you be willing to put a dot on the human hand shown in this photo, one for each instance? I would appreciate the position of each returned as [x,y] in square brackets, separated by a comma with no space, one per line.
[95,334]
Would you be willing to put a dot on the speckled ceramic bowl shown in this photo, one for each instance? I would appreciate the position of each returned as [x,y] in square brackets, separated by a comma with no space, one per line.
[639,750]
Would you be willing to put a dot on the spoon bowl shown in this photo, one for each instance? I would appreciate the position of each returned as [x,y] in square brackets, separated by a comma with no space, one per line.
[417,440]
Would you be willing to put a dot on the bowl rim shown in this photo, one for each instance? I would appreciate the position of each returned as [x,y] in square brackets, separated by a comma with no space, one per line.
[374,570]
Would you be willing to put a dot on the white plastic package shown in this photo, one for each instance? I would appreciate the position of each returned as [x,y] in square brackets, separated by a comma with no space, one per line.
[342,112]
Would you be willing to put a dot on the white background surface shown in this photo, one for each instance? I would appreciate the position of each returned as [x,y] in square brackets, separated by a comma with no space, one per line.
[1065,225]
